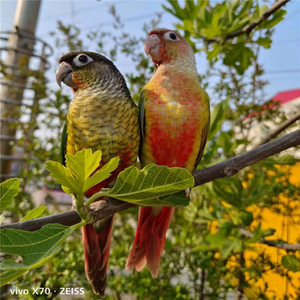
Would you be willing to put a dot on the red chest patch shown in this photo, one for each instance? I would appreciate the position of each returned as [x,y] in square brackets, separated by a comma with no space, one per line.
[172,145]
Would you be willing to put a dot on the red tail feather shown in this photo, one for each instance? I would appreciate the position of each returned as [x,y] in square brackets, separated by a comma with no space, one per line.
[96,251]
[149,239]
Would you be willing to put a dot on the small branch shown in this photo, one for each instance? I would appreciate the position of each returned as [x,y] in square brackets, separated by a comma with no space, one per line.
[280,128]
[248,28]
[226,168]
[276,244]
[231,166]
[67,218]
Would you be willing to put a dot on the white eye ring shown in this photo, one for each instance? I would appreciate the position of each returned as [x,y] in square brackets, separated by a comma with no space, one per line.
[172,36]
[82,60]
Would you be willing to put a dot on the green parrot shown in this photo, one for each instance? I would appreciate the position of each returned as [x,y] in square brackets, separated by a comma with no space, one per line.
[101,116]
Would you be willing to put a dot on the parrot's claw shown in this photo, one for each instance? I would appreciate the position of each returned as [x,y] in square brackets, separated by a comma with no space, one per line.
[187,192]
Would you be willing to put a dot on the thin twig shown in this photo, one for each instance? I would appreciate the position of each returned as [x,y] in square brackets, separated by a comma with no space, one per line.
[280,128]
[248,28]
[231,166]
[276,244]
[226,168]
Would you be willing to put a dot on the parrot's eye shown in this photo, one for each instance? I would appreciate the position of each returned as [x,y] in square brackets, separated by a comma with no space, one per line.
[172,36]
[82,60]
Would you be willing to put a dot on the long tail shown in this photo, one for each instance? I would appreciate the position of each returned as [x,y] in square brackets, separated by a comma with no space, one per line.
[149,239]
[96,252]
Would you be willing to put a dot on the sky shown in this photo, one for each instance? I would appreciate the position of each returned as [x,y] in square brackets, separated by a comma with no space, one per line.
[281,62]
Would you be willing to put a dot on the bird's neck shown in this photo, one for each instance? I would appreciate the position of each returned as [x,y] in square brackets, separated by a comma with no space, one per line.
[185,64]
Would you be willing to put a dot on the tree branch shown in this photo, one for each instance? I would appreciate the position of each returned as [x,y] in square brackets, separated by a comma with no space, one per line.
[276,244]
[227,168]
[280,128]
[248,28]
[232,165]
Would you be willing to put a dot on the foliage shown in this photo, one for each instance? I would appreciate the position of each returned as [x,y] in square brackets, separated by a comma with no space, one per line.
[79,175]
[145,187]
[206,254]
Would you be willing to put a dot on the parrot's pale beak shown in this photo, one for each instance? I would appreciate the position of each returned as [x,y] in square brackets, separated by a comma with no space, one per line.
[152,47]
[64,74]
[152,42]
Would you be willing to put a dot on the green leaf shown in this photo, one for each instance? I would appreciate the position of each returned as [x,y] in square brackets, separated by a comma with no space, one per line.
[265,42]
[205,215]
[35,248]
[267,232]
[217,117]
[226,228]
[8,190]
[279,160]
[229,190]
[101,174]
[217,239]
[140,186]
[234,244]
[83,163]
[9,276]
[177,10]
[76,177]
[224,140]
[277,17]
[63,176]
[238,56]
[224,243]
[178,199]
[291,262]
[246,217]
[214,52]
[34,213]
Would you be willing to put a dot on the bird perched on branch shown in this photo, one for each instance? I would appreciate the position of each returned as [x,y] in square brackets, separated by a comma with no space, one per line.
[174,117]
[101,116]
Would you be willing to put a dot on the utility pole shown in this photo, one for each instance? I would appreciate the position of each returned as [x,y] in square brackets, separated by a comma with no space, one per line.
[19,50]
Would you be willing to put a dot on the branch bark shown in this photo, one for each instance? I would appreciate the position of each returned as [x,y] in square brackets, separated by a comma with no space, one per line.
[248,28]
[226,168]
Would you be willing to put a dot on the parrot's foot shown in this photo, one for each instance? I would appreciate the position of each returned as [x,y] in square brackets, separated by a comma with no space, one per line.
[187,192]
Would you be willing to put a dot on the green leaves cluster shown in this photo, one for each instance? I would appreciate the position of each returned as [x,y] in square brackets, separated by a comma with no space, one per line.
[141,187]
[217,24]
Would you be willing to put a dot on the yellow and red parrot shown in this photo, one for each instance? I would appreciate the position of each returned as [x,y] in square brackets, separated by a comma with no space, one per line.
[174,117]
[101,116]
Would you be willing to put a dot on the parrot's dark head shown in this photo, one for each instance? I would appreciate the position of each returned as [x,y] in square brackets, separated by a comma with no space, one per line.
[81,69]
[167,46]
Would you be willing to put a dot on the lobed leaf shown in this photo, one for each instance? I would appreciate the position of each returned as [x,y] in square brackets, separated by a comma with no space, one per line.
[63,176]
[83,163]
[101,174]
[142,187]
[35,248]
